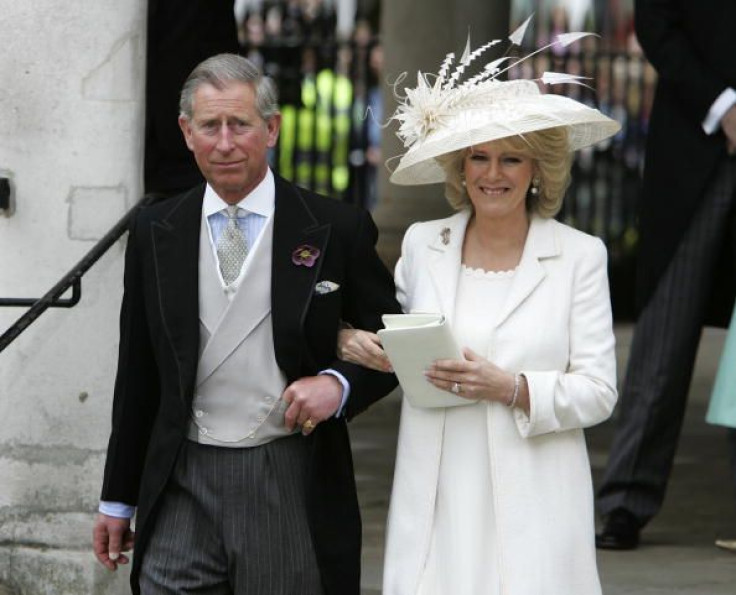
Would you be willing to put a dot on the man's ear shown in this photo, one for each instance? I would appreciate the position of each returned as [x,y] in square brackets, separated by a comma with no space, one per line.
[273,125]
[186,129]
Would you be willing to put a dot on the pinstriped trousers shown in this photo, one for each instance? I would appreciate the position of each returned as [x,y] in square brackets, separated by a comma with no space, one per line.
[233,522]
[663,350]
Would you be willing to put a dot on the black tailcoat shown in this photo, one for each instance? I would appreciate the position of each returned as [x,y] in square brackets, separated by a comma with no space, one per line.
[692,45]
[159,347]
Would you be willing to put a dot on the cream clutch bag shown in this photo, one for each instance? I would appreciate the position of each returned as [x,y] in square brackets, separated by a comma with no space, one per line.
[412,342]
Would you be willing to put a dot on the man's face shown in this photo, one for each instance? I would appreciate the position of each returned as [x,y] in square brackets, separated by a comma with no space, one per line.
[229,138]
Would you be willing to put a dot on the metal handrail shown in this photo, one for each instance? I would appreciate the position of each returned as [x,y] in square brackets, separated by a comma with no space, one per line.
[73,279]
[58,303]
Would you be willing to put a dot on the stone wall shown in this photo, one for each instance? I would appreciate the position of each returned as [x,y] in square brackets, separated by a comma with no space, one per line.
[71,136]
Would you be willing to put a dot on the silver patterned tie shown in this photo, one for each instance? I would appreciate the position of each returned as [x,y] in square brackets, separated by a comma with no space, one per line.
[231,247]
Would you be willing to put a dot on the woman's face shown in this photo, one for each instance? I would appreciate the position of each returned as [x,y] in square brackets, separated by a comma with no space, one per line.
[497,178]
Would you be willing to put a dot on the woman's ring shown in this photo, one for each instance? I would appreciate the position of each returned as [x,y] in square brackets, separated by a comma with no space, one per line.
[308,425]
[456,388]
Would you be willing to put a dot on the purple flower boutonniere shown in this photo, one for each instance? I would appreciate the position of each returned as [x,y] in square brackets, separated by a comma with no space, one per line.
[305,255]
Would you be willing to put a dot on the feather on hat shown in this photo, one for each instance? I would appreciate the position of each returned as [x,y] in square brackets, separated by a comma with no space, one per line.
[443,113]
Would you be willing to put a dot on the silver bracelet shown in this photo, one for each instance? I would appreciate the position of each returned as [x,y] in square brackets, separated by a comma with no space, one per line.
[515,395]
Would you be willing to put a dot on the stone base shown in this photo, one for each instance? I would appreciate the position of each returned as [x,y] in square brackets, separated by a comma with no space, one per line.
[38,571]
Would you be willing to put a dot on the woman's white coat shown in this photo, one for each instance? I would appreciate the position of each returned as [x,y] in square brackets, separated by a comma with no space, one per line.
[556,328]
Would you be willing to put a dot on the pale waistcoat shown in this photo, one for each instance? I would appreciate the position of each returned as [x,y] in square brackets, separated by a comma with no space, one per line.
[237,400]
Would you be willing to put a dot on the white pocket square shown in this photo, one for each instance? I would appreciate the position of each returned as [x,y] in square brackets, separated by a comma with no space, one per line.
[324,287]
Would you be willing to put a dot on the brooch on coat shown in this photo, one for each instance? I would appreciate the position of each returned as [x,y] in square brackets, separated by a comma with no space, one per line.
[445,235]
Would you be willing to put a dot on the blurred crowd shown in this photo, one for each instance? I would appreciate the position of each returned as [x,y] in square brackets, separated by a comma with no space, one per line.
[329,92]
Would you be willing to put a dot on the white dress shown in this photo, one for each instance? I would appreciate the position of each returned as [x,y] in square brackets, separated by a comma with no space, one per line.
[463,556]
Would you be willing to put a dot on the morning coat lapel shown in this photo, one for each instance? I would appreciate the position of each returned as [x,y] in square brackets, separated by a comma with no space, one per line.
[445,259]
[175,239]
[540,243]
[292,285]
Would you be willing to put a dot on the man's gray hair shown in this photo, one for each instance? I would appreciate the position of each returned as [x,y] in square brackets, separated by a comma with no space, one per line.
[223,69]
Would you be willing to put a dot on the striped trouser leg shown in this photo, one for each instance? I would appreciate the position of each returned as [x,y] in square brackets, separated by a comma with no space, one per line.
[233,521]
[661,360]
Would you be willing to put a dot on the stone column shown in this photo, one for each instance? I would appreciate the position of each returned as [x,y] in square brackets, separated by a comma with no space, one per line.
[417,34]
[71,141]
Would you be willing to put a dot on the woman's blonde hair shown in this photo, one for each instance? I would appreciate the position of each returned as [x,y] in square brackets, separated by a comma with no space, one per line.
[552,159]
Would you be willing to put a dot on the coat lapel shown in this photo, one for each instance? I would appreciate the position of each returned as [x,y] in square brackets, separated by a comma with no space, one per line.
[292,285]
[175,241]
[540,243]
[445,258]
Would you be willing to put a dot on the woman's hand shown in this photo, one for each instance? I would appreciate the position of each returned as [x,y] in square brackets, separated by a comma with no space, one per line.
[362,348]
[476,378]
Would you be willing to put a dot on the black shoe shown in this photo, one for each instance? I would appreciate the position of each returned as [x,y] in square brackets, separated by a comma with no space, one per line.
[620,531]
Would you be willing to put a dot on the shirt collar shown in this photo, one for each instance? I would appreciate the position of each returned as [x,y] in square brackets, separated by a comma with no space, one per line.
[260,201]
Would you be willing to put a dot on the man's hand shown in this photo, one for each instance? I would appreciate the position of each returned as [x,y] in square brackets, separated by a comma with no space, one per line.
[311,400]
[728,124]
[110,537]
[362,348]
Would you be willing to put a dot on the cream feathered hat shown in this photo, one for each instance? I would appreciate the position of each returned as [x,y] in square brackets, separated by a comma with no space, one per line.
[447,114]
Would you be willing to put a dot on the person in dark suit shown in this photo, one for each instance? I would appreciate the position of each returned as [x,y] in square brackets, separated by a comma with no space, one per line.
[686,230]
[229,417]
[179,36]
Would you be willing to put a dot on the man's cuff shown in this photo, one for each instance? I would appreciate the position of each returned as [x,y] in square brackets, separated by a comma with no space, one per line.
[720,106]
[345,389]
[117,509]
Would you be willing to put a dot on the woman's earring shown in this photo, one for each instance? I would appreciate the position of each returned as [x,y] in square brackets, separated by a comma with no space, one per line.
[535,186]
[462,180]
